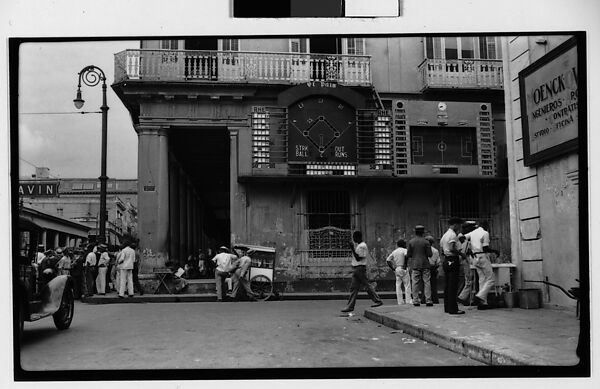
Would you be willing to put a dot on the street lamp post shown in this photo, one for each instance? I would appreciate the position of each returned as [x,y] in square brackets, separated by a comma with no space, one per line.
[91,76]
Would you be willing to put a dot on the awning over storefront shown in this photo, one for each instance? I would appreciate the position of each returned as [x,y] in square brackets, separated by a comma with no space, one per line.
[30,217]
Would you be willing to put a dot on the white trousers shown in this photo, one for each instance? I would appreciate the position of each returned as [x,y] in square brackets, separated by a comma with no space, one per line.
[125,279]
[101,280]
[403,277]
[486,276]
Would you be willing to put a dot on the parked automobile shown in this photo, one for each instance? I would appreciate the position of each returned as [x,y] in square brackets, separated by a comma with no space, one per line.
[38,291]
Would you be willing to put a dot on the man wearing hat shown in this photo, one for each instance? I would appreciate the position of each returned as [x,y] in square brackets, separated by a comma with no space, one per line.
[418,253]
[224,261]
[90,270]
[102,268]
[239,276]
[479,240]
[449,247]
[64,263]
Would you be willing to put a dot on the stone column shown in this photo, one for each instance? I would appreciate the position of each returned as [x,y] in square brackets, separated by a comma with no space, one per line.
[43,239]
[174,215]
[190,218]
[153,196]
[182,215]
[56,239]
[237,201]
[195,223]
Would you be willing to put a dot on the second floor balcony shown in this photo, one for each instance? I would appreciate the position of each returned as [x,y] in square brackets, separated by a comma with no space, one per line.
[242,67]
[461,74]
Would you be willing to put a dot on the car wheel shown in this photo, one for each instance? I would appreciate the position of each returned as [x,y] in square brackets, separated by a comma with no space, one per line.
[64,315]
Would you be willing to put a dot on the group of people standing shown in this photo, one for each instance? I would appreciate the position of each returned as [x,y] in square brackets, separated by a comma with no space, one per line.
[416,265]
[94,270]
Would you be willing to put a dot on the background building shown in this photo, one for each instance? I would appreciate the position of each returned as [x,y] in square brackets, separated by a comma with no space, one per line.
[78,200]
[295,142]
[544,193]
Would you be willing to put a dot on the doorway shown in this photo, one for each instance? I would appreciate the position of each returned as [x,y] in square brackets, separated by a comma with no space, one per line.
[203,155]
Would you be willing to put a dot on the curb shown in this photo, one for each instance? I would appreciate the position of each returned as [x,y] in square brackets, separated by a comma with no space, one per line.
[488,354]
[212,297]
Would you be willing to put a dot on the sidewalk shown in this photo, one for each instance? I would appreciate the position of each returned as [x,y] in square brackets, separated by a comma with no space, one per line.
[505,336]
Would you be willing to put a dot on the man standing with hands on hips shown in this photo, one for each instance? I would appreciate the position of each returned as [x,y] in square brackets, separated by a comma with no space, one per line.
[450,250]
[359,273]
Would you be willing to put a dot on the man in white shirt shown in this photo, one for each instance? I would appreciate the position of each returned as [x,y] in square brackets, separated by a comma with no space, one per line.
[360,252]
[480,245]
[90,270]
[102,269]
[398,263]
[225,264]
[125,262]
[450,251]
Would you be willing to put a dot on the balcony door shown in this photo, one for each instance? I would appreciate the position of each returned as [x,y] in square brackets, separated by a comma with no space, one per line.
[353,67]
[300,62]
[229,66]
[201,58]
[324,62]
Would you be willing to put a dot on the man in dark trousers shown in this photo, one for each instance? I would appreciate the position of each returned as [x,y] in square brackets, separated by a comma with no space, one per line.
[418,253]
[359,274]
[450,250]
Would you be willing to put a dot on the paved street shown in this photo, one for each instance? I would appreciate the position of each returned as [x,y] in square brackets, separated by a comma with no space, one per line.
[278,334]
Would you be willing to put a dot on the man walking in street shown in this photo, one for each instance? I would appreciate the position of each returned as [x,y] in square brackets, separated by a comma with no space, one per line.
[480,245]
[418,253]
[450,263]
[359,274]
[239,277]
[398,263]
[125,269]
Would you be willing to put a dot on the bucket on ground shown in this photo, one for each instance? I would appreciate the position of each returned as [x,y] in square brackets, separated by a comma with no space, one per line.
[530,298]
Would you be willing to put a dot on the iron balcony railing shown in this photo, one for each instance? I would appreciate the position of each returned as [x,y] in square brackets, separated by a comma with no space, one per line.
[461,73]
[234,66]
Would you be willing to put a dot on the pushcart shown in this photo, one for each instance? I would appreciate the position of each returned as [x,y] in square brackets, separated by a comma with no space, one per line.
[261,272]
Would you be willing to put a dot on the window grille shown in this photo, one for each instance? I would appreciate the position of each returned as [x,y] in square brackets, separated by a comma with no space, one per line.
[329,224]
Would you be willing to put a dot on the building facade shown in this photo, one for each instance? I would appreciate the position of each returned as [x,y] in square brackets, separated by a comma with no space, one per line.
[544,193]
[78,200]
[296,142]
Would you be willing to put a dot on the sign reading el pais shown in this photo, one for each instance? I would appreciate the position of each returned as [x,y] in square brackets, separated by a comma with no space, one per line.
[549,104]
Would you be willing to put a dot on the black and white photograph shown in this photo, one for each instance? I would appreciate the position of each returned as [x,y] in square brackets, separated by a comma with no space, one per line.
[319,192]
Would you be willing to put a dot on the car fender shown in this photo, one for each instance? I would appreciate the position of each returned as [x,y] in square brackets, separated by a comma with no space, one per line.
[52,293]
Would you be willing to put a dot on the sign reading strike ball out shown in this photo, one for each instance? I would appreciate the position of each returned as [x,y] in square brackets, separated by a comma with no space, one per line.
[549,104]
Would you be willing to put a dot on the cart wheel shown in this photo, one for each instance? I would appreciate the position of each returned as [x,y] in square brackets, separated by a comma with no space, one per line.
[261,286]
[64,315]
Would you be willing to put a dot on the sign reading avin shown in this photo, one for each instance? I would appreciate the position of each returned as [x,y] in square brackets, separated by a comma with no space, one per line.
[38,189]
[549,104]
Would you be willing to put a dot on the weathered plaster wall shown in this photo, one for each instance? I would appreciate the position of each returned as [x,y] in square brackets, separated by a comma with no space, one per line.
[543,199]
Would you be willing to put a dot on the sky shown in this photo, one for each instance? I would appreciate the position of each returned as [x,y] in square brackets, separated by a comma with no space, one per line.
[70,144]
